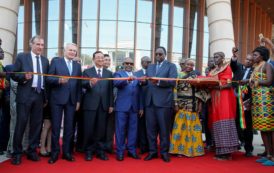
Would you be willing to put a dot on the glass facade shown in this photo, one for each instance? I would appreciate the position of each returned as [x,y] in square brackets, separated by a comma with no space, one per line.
[121,28]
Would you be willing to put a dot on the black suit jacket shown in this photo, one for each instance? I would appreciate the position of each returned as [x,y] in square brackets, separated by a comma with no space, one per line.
[24,63]
[239,70]
[61,93]
[101,92]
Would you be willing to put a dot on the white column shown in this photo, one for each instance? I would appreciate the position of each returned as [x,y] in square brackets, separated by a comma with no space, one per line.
[8,25]
[221,34]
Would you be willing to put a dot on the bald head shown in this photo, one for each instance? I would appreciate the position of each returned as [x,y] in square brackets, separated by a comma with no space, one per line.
[145,61]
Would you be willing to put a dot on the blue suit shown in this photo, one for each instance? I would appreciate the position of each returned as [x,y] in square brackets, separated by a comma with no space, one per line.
[63,97]
[127,106]
[159,102]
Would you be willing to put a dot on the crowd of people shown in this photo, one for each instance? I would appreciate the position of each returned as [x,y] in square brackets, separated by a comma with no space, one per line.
[159,103]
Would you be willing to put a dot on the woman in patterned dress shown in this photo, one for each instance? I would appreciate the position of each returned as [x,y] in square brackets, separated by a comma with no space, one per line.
[223,105]
[187,130]
[263,101]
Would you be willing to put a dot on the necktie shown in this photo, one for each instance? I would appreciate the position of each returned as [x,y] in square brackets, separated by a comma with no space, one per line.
[39,80]
[157,67]
[99,73]
[69,67]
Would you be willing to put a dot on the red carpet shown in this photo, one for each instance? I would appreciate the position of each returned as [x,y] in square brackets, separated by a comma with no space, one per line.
[204,164]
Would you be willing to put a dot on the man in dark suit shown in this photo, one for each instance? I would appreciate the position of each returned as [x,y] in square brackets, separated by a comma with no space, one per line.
[127,107]
[159,101]
[242,73]
[30,98]
[65,97]
[97,104]
[142,141]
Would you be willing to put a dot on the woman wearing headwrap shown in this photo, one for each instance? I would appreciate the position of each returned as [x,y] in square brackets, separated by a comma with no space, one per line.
[263,101]
[187,130]
[223,112]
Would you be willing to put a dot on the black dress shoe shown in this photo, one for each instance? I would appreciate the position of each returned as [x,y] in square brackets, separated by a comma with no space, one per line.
[120,157]
[151,156]
[16,160]
[102,156]
[88,156]
[165,157]
[33,156]
[53,158]
[68,157]
[133,155]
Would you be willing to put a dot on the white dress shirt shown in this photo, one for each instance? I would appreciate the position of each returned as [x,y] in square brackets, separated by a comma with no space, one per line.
[35,77]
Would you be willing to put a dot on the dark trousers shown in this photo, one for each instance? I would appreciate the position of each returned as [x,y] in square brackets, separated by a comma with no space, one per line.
[94,130]
[79,130]
[33,110]
[245,135]
[158,121]
[142,133]
[110,129]
[57,111]
[126,127]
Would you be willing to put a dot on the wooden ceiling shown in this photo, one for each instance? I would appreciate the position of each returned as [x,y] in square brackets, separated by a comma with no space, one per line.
[267,6]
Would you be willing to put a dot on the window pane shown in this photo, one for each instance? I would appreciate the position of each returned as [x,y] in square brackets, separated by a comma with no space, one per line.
[20,28]
[108,9]
[194,37]
[145,11]
[176,57]
[177,39]
[70,24]
[86,57]
[53,10]
[178,16]
[52,53]
[53,34]
[164,34]
[89,9]
[107,34]
[126,10]
[125,35]
[144,36]
[139,55]
[53,24]
[88,33]
[36,16]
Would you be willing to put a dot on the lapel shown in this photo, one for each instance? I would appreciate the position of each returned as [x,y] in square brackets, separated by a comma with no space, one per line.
[29,59]
[161,68]
[74,68]
[104,73]
[93,72]
[64,64]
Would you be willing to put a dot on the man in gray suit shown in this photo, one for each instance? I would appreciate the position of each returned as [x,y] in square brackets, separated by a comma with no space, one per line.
[30,98]
[159,101]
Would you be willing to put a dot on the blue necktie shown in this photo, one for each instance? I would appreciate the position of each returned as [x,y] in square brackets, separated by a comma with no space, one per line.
[99,73]
[157,67]
[69,67]
[39,81]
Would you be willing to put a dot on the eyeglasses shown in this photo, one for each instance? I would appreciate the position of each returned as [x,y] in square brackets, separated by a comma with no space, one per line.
[128,63]
[160,54]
